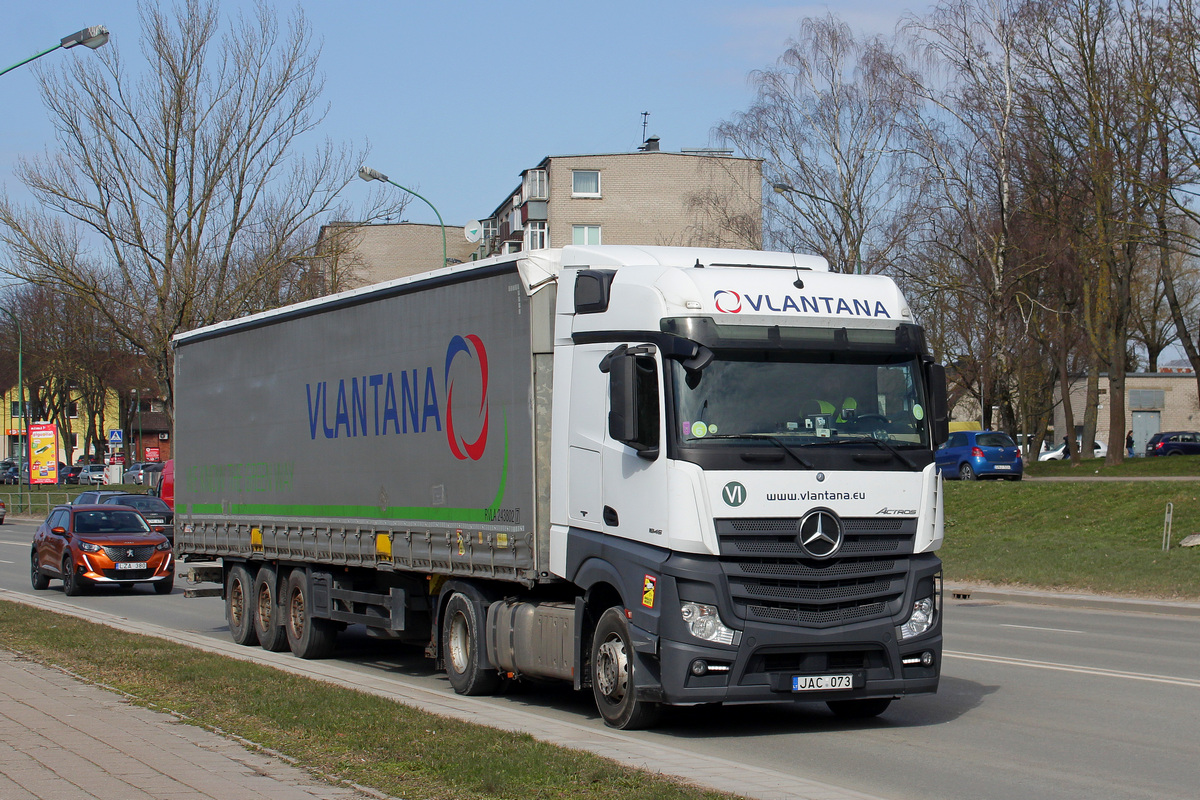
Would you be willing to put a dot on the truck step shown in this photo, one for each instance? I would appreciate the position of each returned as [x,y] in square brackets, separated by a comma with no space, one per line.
[214,591]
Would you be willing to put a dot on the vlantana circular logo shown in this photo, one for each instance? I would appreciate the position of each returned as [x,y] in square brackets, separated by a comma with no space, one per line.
[473,347]
[728,302]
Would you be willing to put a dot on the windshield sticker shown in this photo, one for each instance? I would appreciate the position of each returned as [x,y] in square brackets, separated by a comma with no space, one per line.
[699,430]
[918,412]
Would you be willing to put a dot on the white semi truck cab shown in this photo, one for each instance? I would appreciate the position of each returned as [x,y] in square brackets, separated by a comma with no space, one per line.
[671,475]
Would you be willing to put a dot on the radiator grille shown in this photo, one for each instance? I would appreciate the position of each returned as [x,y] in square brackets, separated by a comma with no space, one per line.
[141,552]
[772,580]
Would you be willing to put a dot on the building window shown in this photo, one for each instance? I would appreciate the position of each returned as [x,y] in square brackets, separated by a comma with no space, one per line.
[73,410]
[585,234]
[585,183]
[16,409]
[536,237]
[535,185]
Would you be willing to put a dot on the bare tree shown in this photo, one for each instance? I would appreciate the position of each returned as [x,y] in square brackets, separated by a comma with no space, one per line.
[827,122]
[177,198]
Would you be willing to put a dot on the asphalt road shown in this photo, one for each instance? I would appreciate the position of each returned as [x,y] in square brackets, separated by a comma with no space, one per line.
[1035,702]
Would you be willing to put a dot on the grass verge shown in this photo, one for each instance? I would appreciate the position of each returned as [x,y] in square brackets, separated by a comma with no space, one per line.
[1101,537]
[354,736]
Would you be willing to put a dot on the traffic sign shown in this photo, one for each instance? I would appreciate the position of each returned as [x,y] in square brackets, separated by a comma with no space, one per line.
[114,436]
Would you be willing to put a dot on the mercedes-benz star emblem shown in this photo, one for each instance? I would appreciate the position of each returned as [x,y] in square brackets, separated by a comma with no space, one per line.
[820,533]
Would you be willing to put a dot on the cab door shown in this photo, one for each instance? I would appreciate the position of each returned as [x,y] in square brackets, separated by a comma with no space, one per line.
[633,481]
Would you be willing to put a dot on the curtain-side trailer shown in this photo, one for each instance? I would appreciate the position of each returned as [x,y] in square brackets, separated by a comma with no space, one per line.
[668,475]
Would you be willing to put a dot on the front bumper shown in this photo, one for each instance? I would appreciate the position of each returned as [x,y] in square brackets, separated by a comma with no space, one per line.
[761,667]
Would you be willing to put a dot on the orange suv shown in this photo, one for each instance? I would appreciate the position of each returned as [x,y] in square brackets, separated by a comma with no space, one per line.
[100,545]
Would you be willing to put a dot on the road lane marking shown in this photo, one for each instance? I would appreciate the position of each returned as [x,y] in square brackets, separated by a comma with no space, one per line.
[1036,628]
[1193,683]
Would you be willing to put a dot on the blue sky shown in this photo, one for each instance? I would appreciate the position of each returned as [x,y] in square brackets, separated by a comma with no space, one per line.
[456,98]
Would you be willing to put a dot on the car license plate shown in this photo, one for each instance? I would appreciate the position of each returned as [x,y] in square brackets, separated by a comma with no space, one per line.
[821,683]
[155,520]
[1004,466]
[131,565]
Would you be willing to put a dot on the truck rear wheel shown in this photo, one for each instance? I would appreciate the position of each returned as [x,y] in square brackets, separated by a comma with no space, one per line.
[612,675]
[265,611]
[237,606]
[463,648]
[307,636]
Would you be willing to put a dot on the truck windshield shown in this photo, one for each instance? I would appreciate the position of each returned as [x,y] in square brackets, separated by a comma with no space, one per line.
[802,400]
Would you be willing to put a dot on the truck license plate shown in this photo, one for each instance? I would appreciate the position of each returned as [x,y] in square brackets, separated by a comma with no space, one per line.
[131,565]
[821,683]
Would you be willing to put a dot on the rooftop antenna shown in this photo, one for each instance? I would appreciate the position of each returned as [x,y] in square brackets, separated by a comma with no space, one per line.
[645,118]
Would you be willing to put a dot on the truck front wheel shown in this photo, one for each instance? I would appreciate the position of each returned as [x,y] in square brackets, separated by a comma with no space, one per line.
[612,675]
[265,611]
[237,606]
[463,643]
[307,636]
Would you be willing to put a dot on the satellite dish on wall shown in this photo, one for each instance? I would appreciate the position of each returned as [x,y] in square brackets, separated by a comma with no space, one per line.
[473,231]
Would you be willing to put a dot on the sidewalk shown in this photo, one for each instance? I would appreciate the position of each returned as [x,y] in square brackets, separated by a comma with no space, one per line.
[62,739]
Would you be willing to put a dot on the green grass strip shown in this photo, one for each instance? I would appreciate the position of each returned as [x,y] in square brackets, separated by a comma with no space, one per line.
[1079,536]
[348,734]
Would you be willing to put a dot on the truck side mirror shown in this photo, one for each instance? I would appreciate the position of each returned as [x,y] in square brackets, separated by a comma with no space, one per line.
[935,377]
[633,399]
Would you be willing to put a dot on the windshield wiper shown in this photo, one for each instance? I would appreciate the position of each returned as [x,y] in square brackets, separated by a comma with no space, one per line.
[880,443]
[775,440]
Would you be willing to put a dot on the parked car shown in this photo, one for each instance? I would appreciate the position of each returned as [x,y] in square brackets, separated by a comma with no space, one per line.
[156,513]
[90,544]
[93,474]
[3,512]
[10,475]
[968,455]
[1174,443]
[95,497]
[71,474]
[134,474]
[1099,450]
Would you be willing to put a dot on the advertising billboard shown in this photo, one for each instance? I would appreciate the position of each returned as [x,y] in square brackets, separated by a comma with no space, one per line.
[43,453]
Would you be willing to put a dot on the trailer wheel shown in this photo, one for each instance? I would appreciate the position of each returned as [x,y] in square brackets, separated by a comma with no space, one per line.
[612,675]
[859,709]
[237,606]
[265,611]
[463,643]
[307,636]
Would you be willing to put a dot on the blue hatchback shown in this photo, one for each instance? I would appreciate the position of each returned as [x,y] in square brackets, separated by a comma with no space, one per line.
[969,455]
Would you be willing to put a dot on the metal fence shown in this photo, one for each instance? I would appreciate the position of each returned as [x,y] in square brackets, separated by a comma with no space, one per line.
[37,504]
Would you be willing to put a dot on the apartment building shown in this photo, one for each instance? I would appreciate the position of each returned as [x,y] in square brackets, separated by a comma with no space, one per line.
[706,198]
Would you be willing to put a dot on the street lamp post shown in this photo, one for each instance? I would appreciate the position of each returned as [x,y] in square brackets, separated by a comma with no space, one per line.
[368,174]
[93,37]
[784,188]
[21,405]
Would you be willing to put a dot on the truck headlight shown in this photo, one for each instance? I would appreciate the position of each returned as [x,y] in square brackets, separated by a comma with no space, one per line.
[705,623]
[923,615]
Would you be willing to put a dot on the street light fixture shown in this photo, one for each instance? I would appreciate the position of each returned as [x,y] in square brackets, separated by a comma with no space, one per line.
[785,188]
[368,174]
[93,37]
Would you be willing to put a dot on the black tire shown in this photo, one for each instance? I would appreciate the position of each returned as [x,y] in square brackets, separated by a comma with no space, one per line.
[463,648]
[612,676]
[238,594]
[36,577]
[1014,478]
[264,611]
[965,473]
[73,584]
[165,587]
[859,709]
[307,636]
